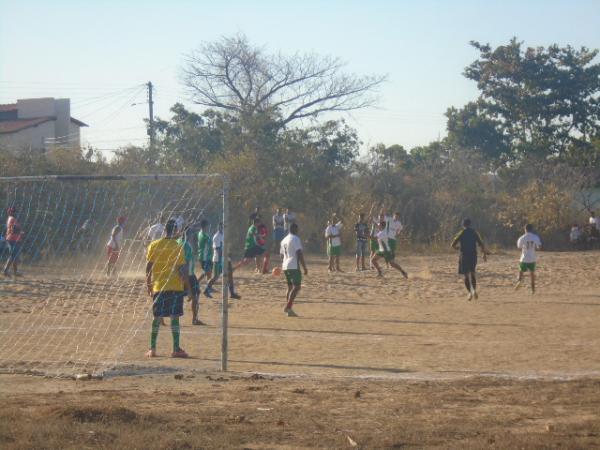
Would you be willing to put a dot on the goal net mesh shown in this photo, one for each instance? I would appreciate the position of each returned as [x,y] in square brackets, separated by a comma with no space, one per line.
[64,315]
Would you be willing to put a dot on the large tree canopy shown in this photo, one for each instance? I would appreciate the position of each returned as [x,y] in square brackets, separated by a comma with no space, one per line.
[533,101]
[233,75]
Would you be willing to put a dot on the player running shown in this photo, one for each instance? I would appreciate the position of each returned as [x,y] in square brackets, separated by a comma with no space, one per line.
[166,279]
[361,228]
[291,251]
[205,251]
[14,238]
[252,249]
[190,259]
[528,243]
[466,241]
[114,245]
[384,251]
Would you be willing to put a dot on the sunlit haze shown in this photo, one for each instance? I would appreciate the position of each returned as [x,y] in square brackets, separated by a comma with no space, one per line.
[100,54]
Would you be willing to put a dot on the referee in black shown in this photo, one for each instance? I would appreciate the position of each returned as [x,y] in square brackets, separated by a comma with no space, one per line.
[466,241]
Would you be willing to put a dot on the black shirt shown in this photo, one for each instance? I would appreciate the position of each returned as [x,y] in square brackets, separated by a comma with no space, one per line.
[362,231]
[468,239]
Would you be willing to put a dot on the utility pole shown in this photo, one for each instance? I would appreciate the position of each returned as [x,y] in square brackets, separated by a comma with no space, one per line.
[150,114]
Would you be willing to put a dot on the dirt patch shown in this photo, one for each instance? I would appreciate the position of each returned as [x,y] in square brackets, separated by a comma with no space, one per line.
[91,415]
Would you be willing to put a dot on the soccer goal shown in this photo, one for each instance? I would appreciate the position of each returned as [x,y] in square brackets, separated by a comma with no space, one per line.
[75,305]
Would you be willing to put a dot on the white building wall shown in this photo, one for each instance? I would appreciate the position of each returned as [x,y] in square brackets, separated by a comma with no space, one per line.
[33,137]
[32,108]
[62,108]
[74,135]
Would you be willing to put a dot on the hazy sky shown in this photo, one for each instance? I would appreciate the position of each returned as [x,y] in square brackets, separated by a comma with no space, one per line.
[100,53]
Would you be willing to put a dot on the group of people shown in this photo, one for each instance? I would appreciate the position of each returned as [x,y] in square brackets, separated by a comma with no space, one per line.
[170,270]
[582,237]
[376,240]
[173,249]
[172,252]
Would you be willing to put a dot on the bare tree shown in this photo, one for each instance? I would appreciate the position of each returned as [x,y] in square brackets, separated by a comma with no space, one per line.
[233,75]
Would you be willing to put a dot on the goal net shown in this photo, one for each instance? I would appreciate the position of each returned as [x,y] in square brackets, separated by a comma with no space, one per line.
[64,313]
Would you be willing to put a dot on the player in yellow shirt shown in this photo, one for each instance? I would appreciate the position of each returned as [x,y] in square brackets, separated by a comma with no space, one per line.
[166,279]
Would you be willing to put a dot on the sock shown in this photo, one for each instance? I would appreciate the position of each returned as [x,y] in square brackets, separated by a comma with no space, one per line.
[175,333]
[467,284]
[231,286]
[154,333]
[473,282]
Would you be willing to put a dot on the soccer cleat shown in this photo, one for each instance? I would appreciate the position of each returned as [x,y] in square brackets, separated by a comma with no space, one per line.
[470,296]
[179,354]
[235,296]
[475,295]
[151,353]
[404,274]
[291,313]
[197,322]
[207,293]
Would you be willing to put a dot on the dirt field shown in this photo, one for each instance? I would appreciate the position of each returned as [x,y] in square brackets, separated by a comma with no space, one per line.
[380,363]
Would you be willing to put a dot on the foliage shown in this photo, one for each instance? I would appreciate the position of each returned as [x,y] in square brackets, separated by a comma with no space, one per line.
[532,102]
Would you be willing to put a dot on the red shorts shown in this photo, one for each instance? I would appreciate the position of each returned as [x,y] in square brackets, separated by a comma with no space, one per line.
[113,255]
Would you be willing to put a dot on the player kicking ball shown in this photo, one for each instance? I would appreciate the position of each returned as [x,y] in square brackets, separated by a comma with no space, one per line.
[291,250]
[528,243]
[384,251]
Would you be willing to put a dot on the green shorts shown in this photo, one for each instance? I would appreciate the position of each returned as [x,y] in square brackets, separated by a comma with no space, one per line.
[527,267]
[334,250]
[388,256]
[293,276]
[392,244]
[374,245]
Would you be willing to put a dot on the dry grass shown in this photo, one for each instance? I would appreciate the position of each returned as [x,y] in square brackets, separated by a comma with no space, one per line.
[201,411]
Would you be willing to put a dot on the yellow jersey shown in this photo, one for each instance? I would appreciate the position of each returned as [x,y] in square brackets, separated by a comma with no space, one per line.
[167,256]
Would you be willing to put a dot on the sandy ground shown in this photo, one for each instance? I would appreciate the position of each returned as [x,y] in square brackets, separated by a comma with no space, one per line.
[350,324]
[418,346]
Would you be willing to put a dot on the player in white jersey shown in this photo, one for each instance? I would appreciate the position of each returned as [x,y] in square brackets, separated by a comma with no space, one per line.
[293,258]
[156,230]
[384,251]
[528,243]
[394,227]
[218,260]
[594,225]
[114,245]
[334,243]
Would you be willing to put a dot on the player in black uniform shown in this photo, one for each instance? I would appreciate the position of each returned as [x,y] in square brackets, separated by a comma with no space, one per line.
[466,242]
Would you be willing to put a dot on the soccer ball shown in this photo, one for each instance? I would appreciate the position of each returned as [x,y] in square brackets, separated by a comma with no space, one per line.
[276,271]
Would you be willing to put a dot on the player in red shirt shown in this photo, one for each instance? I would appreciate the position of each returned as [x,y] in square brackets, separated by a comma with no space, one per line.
[14,238]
